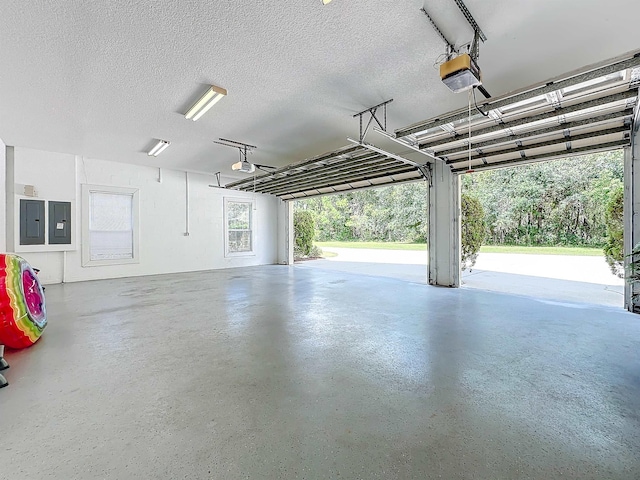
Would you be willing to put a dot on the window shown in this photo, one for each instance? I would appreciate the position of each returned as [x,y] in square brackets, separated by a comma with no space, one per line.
[109,225]
[238,227]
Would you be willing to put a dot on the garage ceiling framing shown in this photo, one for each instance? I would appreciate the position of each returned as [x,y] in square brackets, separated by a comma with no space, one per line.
[579,113]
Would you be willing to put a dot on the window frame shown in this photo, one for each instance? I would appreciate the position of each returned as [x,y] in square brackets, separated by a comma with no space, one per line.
[87,190]
[252,226]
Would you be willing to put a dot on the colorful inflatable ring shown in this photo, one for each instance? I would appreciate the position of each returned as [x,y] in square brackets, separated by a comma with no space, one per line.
[22,311]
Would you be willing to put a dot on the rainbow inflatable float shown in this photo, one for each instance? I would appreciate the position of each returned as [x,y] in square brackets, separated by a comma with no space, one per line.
[22,311]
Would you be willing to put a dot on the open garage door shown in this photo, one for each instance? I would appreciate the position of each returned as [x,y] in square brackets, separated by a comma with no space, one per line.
[349,168]
[578,113]
[575,114]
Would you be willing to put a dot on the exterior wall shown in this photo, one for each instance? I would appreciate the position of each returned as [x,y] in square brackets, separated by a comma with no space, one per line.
[164,246]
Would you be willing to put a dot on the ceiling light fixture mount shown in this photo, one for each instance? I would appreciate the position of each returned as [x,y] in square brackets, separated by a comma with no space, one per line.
[212,96]
[158,148]
[244,165]
[244,148]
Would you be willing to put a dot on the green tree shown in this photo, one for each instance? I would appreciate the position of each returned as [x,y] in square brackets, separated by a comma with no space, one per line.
[473,229]
[395,213]
[332,215]
[613,249]
[560,202]
[304,232]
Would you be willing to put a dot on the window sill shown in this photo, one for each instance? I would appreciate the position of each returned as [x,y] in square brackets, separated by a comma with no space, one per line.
[239,254]
[117,261]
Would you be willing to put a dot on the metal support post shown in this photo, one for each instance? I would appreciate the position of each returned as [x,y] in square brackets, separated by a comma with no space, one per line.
[444,227]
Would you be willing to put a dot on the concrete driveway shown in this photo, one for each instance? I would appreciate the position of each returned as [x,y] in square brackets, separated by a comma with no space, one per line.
[559,278]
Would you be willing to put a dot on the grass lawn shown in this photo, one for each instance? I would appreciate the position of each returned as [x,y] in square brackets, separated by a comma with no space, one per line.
[586,251]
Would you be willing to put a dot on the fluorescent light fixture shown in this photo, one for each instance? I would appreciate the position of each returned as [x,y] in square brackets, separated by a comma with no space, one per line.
[324,2]
[208,100]
[244,166]
[158,148]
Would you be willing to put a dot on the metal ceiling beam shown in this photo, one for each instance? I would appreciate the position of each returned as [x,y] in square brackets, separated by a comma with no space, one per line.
[449,45]
[372,112]
[559,142]
[558,83]
[422,168]
[467,14]
[405,144]
[373,148]
[609,99]
[549,156]
[611,117]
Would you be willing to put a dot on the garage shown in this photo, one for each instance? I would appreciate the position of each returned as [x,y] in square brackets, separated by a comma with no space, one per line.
[182,343]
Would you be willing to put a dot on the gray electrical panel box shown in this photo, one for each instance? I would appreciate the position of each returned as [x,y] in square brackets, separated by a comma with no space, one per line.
[59,223]
[31,222]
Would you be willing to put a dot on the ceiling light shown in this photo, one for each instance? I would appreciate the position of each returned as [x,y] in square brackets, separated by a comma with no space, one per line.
[460,73]
[158,148]
[208,100]
[324,2]
[244,166]
[243,148]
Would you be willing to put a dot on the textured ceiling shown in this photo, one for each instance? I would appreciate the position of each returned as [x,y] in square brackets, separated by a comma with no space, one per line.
[103,79]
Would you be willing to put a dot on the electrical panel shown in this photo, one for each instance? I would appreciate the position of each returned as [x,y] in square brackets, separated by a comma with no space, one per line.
[59,223]
[32,222]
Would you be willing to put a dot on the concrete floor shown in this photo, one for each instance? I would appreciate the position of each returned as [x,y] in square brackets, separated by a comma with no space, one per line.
[560,278]
[287,372]
[551,289]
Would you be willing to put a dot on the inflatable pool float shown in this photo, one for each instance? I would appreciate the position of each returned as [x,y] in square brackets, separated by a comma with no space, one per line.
[23,315]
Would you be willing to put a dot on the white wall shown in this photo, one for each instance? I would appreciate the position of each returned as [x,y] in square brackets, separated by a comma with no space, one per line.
[54,176]
[164,248]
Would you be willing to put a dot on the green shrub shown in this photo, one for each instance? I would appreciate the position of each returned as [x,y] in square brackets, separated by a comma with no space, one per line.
[473,229]
[304,228]
[613,249]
